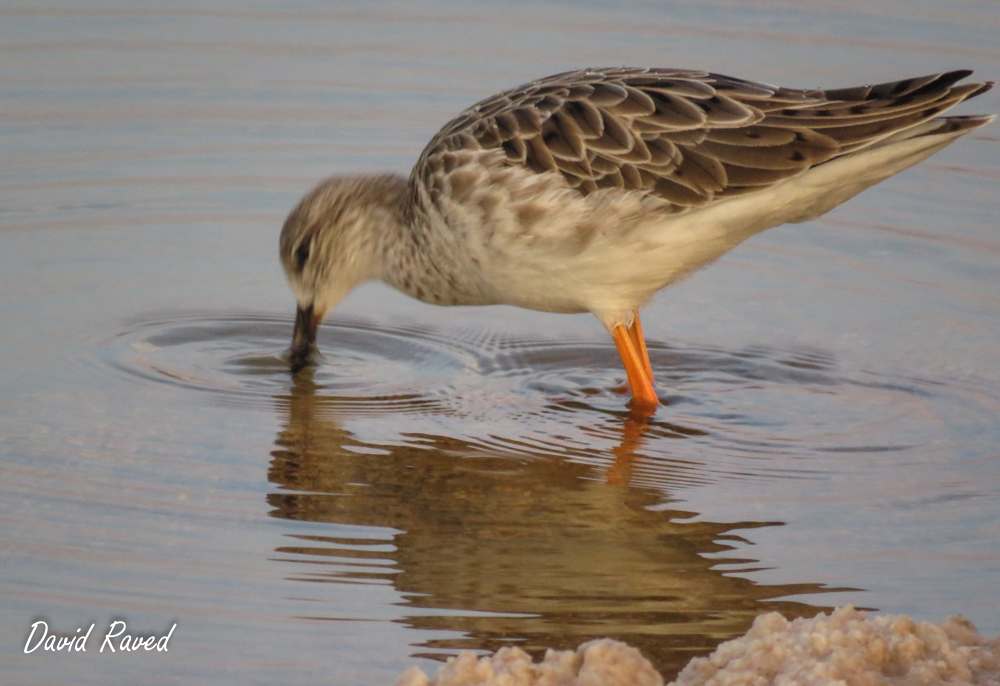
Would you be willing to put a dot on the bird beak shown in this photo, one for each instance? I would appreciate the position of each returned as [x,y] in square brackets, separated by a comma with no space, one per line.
[304,338]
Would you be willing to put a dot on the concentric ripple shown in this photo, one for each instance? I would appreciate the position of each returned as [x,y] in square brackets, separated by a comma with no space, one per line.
[543,398]
[243,358]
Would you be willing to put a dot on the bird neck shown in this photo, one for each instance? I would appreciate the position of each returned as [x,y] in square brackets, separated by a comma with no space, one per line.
[400,227]
[387,221]
[406,258]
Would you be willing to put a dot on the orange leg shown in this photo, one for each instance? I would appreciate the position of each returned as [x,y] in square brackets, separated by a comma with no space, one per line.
[644,398]
[639,343]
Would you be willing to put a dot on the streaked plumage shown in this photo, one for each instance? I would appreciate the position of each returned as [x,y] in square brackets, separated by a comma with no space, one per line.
[591,190]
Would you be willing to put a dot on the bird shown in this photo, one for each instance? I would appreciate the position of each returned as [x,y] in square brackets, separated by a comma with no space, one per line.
[591,190]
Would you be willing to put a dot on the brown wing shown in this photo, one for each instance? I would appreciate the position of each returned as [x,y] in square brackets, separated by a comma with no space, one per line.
[690,137]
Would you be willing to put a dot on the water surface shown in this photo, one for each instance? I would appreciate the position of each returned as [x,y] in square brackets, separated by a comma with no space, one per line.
[464,478]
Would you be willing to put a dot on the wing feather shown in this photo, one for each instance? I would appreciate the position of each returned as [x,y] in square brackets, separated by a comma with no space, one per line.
[690,137]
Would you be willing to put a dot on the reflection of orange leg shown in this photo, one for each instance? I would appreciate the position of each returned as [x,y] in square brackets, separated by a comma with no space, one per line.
[625,454]
[639,343]
[644,400]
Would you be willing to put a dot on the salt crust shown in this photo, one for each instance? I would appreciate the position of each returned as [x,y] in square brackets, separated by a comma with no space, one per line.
[849,648]
[846,648]
[596,663]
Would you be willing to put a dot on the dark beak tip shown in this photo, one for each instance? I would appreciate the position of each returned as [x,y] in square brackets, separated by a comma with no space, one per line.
[298,364]
[303,339]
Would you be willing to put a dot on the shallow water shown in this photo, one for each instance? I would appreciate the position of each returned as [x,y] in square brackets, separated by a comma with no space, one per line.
[463,478]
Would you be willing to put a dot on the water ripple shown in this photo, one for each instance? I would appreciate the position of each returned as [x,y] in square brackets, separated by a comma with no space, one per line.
[522,398]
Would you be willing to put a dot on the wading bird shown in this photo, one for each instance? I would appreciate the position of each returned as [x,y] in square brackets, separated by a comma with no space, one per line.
[589,191]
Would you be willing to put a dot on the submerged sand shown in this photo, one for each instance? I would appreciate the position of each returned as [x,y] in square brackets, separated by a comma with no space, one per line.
[847,647]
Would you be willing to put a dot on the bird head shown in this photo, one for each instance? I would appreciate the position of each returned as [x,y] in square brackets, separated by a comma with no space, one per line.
[331,242]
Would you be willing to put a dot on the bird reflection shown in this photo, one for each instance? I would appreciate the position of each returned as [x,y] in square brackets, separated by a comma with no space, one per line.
[521,546]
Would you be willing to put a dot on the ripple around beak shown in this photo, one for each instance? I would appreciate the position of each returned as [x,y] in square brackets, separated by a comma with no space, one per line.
[736,404]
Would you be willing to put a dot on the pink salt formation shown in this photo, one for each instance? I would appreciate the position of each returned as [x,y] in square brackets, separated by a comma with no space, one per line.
[846,648]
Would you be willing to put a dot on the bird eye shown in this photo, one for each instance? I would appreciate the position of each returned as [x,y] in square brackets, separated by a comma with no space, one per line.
[302,254]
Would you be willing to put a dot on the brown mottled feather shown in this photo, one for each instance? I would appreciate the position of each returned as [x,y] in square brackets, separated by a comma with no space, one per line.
[689,137]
